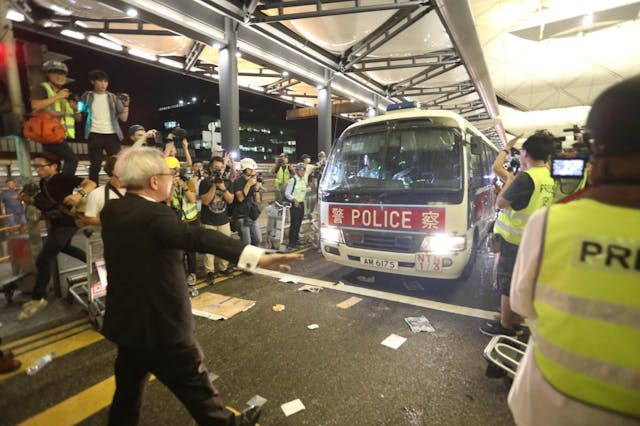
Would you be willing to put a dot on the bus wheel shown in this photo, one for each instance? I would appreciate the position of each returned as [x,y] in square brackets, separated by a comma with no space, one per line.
[468,268]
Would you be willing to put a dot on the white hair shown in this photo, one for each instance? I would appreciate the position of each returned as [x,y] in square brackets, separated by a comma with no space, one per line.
[136,165]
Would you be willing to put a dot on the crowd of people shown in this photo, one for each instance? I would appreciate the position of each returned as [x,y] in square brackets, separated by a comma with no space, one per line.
[553,258]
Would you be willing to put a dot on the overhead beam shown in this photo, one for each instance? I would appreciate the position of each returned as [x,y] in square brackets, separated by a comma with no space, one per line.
[193,54]
[280,85]
[441,57]
[319,11]
[336,108]
[442,90]
[421,77]
[383,34]
[449,97]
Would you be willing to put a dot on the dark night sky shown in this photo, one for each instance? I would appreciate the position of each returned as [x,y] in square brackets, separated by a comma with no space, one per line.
[152,87]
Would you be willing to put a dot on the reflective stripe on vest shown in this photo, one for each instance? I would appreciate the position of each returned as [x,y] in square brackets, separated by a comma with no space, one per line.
[189,211]
[510,222]
[67,120]
[587,302]
[282,176]
[300,190]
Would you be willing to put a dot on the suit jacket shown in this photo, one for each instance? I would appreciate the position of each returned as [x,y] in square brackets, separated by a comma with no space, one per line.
[147,301]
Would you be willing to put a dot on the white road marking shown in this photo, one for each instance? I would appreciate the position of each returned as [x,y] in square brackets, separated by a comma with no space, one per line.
[408,300]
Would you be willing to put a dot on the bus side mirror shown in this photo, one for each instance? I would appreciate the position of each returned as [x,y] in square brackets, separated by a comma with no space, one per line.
[476,145]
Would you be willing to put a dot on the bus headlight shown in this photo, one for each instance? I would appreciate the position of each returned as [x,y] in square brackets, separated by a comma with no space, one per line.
[331,235]
[441,244]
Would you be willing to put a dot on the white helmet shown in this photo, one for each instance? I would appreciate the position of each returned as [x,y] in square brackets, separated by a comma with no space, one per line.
[248,163]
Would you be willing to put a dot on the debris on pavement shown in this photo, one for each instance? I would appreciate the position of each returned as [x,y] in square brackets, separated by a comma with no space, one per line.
[213,377]
[277,308]
[292,407]
[346,304]
[256,401]
[310,288]
[313,326]
[394,341]
[289,279]
[418,324]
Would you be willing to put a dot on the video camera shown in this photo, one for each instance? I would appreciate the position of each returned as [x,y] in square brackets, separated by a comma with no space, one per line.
[123,97]
[216,176]
[259,178]
[179,134]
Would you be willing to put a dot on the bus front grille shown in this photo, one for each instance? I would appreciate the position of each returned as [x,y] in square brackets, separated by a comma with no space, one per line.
[386,241]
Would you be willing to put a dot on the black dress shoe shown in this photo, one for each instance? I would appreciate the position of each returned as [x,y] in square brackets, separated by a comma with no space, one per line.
[250,416]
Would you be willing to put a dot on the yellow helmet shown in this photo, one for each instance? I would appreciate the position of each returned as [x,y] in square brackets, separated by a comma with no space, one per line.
[172,162]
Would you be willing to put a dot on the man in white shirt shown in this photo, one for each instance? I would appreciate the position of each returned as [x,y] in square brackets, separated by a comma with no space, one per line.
[102,130]
[97,198]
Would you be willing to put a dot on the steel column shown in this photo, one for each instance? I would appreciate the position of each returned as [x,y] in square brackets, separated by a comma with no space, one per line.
[229,97]
[324,115]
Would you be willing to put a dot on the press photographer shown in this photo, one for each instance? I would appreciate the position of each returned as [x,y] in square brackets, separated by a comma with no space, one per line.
[246,208]
[216,197]
[283,173]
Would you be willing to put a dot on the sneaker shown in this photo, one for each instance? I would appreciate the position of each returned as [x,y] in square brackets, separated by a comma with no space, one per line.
[494,328]
[8,364]
[250,416]
[227,272]
[30,309]
[211,278]
[518,328]
[191,280]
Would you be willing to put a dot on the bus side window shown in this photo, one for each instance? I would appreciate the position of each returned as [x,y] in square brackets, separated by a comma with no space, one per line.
[475,171]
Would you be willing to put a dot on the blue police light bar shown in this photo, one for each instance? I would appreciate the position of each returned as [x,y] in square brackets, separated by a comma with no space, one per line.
[402,105]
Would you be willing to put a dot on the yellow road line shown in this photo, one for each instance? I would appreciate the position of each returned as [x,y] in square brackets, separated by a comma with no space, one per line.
[62,348]
[48,332]
[56,337]
[81,406]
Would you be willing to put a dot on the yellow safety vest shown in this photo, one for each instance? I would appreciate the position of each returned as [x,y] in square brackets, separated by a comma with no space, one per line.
[189,211]
[510,223]
[67,120]
[587,300]
[282,176]
[299,190]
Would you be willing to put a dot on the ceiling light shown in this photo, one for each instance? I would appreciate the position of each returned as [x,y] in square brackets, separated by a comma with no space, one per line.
[143,55]
[73,34]
[286,97]
[104,43]
[238,54]
[81,24]
[285,73]
[217,45]
[171,63]
[181,102]
[132,13]
[587,21]
[194,99]
[319,87]
[15,16]
[196,69]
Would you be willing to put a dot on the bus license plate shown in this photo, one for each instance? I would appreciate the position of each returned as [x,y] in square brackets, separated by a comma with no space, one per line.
[379,263]
[426,262]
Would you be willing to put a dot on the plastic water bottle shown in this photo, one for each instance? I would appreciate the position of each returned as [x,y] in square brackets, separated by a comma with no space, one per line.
[40,363]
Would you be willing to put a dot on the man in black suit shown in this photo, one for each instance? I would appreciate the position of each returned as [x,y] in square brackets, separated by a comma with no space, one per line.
[148,312]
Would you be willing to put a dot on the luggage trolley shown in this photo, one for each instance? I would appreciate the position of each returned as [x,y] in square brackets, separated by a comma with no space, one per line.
[276,222]
[90,289]
[503,353]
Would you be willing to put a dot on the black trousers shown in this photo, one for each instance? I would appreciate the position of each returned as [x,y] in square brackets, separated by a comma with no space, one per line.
[180,367]
[297,213]
[58,240]
[190,256]
[97,143]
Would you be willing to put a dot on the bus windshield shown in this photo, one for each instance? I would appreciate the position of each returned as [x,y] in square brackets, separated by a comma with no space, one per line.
[396,158]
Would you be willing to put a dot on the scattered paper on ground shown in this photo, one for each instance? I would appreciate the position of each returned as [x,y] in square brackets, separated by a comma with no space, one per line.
[292,407]
[418,324]
[346,304]
[277,308]
[413,285]
[313,326]
[256,401]
[289,279]
[394,341]
[364,279]
[212,377]
[310,288]
[217,306]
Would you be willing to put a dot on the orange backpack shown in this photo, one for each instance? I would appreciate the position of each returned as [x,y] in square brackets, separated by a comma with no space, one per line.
[44,127]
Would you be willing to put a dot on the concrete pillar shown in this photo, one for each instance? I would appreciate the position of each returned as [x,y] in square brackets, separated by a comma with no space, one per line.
[324,115]
[229,94]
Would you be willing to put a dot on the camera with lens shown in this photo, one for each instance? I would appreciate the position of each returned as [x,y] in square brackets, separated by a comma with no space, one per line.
[514,165]
[259,178]
[123,97]
[179,134]
[216,176]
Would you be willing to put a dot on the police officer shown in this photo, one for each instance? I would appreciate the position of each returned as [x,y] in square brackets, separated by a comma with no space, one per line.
[51,96]
[577,280]
[295,193]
